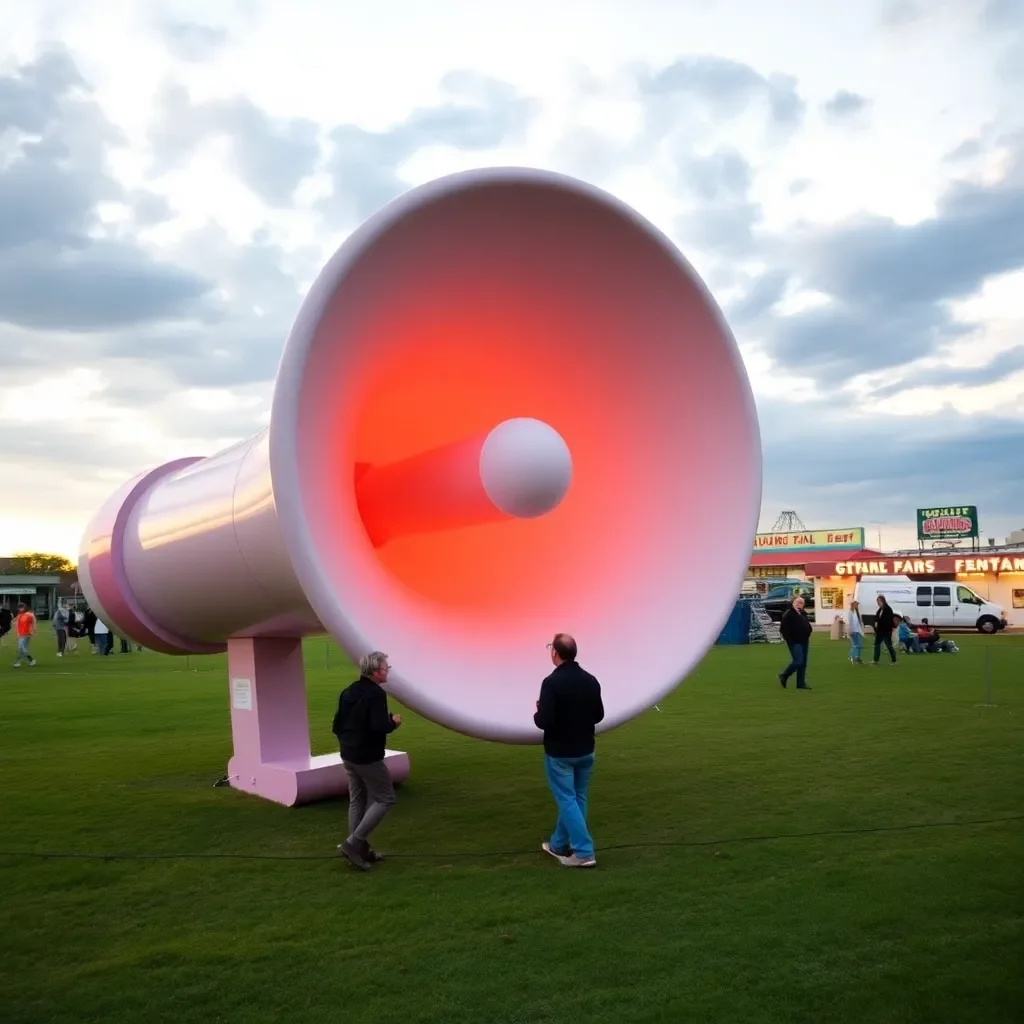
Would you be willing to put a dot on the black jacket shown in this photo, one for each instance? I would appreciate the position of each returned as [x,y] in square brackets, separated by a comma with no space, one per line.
[569,708]
[884,623]
[362,722]
[795,627]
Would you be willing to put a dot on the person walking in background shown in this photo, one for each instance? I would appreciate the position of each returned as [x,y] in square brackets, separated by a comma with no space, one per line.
[74,621]
[362,724]
[796,629]
[90,629]
[856,626]
[102,637]
[59,624]
[885,622]
[6,620]
[569,707]
[25,625]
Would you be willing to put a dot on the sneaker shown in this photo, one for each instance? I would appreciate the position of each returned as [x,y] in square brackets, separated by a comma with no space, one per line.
[370,854]
[17,664]
[782,680]
[557,854]
[572,861]
[353,855]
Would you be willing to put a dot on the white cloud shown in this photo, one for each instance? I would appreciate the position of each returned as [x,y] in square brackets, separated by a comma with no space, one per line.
[225,151]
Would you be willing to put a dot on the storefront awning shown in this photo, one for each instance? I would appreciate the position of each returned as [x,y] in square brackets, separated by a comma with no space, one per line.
[804,558]
[873,563]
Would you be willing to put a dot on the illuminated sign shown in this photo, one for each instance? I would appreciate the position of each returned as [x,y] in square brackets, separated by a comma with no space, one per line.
[951,522]
[811,540]
[889,567]
[944,566]
[993,564]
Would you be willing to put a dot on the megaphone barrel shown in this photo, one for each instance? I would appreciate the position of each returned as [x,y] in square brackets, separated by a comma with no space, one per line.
[507,407]
[193,555]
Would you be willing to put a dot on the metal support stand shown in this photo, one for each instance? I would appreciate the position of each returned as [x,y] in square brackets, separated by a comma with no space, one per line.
[988,680]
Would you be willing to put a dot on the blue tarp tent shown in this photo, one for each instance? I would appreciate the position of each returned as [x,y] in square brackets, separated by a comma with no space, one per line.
[737,627]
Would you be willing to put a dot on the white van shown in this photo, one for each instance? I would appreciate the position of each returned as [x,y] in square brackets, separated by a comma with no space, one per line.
[942,604]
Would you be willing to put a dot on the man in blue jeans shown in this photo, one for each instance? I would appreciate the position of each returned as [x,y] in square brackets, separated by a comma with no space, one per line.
[795,628]
[569,708]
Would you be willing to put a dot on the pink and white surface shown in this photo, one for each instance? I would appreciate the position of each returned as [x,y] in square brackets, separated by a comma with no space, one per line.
[507,407]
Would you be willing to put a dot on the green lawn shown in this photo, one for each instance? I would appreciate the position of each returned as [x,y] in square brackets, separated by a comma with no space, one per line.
[695,913]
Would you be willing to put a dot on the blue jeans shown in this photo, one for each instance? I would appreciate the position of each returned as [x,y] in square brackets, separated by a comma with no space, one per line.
[798,663]
[569,778]
[23,651]
[856,644]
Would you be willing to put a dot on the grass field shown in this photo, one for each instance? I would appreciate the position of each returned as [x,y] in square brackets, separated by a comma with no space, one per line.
[764,856]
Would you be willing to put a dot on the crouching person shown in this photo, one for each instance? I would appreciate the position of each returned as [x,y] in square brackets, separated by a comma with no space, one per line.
[906,636]
[362,724]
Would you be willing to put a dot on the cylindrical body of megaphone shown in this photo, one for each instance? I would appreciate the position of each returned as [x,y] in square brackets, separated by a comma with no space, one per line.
[201,544]
[508,407]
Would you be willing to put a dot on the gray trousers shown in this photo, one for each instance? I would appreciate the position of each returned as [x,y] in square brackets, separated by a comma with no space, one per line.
[371,794]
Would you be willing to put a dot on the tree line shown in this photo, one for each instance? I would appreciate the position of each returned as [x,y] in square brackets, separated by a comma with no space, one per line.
[36,563]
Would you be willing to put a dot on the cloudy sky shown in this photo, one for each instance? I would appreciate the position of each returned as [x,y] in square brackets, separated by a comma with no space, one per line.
[847,178]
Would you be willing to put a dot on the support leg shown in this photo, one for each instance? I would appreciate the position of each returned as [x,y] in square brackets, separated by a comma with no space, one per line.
[270,727]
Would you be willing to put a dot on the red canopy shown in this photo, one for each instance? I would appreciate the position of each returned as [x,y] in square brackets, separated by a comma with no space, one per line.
[916,565]
[781,557]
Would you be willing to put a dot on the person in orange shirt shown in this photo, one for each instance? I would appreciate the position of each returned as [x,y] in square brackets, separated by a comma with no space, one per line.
[26,627]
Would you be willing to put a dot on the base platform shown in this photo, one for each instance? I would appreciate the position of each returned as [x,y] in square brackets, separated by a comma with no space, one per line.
[304,780]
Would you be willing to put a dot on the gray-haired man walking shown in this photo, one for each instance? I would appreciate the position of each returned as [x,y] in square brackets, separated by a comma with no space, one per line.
[362,724]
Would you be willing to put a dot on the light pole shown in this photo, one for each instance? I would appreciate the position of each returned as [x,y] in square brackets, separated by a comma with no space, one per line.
[878,523]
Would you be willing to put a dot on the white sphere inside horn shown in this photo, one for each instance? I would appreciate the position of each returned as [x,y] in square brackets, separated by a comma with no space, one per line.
[525,467]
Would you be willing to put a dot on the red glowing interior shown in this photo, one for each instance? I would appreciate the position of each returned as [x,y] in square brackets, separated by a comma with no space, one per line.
[514,301]
[438,386]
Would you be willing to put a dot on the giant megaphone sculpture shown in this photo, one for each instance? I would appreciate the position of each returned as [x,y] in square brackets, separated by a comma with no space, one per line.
[507,407]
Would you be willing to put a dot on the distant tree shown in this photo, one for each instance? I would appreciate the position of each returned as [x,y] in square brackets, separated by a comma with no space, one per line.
[38,563]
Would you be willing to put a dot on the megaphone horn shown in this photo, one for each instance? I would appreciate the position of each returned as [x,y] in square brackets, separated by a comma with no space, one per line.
[507,407]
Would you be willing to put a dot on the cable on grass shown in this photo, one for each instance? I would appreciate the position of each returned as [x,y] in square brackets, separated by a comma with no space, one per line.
[483,855]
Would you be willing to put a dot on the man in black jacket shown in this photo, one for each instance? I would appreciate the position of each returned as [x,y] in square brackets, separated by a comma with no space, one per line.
[362,724]
[796,629]
[569,707]
[885,623]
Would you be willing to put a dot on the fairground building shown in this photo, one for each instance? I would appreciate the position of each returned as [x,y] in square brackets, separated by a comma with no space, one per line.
[949,577]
